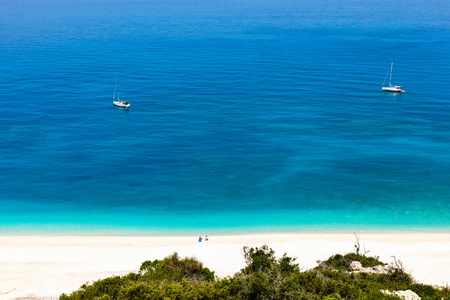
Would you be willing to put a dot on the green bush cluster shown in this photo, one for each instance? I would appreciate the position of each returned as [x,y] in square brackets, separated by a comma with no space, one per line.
[342,262]
[264,277]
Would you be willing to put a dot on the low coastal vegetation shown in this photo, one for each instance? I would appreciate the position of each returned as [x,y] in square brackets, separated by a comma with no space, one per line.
[264,277]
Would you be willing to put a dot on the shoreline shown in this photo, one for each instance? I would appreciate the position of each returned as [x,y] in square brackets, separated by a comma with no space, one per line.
[44,266]
[122,232]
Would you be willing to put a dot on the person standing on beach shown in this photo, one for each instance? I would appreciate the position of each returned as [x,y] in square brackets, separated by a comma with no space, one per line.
[200,239]
[206,238]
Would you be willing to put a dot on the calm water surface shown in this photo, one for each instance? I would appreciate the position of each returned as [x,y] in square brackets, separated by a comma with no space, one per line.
[246,116]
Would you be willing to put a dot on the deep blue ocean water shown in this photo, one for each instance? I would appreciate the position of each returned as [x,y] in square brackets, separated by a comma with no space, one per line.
[246,116]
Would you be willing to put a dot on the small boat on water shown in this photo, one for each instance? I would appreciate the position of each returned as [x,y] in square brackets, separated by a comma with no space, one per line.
[118,102]
[124,104]
[391,88]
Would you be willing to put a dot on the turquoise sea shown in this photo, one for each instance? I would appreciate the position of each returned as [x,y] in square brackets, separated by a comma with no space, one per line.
[246,116]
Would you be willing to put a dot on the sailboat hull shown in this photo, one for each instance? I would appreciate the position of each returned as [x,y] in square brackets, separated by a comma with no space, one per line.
[121,104]
[393,89]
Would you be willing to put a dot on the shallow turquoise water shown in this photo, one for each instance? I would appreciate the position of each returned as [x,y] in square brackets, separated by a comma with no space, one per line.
[246,116]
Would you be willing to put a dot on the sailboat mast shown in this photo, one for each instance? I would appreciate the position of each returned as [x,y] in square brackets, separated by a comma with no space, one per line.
[115,87]
[390,77]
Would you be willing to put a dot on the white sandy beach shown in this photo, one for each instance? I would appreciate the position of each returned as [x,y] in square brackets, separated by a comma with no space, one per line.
[43,267]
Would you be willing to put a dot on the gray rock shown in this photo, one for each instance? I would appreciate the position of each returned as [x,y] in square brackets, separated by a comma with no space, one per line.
[379,269]
[368,270]
[356,266]
[406,295]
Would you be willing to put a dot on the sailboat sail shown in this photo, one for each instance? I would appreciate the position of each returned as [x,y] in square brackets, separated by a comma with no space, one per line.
[115,87]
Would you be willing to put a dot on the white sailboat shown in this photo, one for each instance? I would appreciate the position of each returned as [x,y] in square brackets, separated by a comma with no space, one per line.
[118,102]
[391,88]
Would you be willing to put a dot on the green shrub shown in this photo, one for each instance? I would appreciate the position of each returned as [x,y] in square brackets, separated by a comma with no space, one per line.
[175,268]
[264,277]
[342,262]
[258,259]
